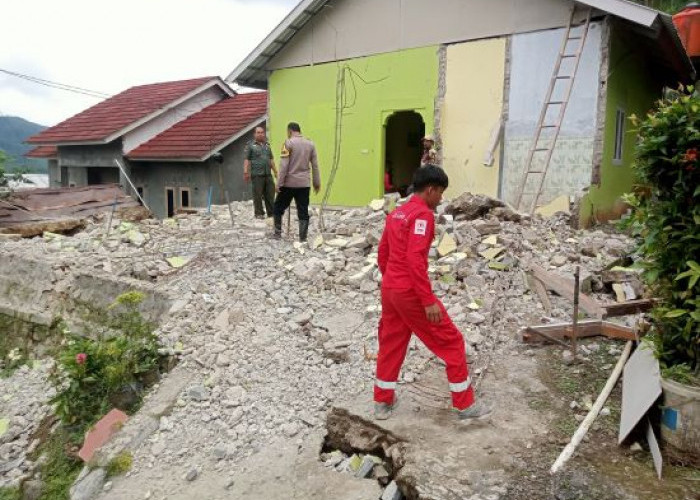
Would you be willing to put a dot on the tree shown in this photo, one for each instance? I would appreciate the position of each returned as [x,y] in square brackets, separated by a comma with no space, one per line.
[669,6]
[3,177]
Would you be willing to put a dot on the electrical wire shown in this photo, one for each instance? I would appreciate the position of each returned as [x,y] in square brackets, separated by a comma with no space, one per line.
[342,104]
[56,85]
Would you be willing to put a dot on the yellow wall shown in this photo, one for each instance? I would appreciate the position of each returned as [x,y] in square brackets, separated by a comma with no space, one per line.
[473,105]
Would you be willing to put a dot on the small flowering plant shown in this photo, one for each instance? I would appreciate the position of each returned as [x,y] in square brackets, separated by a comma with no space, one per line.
[666,220]
[91,371]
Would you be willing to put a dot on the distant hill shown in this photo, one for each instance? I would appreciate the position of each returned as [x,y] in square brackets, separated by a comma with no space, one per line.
[14,130]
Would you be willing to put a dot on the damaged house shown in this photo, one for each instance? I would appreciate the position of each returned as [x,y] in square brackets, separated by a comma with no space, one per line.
[179,143]
[368,78]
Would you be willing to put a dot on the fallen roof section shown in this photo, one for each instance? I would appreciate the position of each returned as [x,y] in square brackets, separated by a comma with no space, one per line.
[199,136]
[32,212]
[252,71]
[114,117]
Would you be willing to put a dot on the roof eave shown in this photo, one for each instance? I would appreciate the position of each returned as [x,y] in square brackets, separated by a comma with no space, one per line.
[290,23]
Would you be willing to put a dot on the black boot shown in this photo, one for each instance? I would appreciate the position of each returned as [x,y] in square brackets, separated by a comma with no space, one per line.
[303,230]
[278,226]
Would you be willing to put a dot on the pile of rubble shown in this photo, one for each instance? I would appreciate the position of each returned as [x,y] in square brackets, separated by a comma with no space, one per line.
[272,334]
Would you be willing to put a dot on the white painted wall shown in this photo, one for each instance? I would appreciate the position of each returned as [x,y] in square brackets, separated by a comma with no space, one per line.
[346,29]
[151,129]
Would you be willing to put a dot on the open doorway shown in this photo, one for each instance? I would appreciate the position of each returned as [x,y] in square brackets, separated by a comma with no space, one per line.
[404,131]
[170,201]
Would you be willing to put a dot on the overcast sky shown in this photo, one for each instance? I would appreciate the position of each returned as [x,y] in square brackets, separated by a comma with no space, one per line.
[109,46]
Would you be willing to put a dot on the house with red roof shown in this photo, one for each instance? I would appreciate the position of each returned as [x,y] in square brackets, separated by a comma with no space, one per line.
[177,145]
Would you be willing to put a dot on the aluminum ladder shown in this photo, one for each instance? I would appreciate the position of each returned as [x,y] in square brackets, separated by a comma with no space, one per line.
[545,151]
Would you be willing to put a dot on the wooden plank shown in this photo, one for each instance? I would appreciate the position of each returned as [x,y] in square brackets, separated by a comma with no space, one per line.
[538,287]
[627,308]
[565,287]
[561,331]
[615,331]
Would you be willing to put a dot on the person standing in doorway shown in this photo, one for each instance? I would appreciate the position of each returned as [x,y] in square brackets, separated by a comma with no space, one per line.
[429,156]
[258,166]
[409,305]
[298,169]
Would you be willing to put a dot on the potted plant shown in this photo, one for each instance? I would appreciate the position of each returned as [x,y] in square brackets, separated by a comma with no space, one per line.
[666,220]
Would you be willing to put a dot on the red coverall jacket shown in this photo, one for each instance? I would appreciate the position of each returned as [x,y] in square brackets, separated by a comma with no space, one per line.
[409,233]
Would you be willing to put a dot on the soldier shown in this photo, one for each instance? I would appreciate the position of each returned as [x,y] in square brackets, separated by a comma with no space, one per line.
[299,160]
[258,166]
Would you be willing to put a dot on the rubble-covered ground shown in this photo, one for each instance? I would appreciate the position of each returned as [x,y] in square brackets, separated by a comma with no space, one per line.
[272,335]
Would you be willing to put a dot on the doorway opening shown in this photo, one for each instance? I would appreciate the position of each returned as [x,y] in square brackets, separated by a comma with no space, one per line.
[102,175]
[170,201]
[403,133]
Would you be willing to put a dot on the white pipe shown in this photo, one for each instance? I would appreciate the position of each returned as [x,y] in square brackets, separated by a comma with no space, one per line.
[590,418]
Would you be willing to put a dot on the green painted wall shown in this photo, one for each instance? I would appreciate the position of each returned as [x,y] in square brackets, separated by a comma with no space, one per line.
[631,88]
[405,80]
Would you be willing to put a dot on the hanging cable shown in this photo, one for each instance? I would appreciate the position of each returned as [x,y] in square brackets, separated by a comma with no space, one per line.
[56,85]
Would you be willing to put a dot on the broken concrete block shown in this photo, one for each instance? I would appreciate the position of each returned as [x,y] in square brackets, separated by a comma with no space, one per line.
[559,260]
[377,205]
[486,227]
[303,318]
[4,425]
[560,204]
[491,241]
[177,262]
[492,253]
[392,492]
[358,242]
[355,463]
[365,468]
[619,292]
[338,243]
[317,243]
[447,245]
[89,486]
[136,238]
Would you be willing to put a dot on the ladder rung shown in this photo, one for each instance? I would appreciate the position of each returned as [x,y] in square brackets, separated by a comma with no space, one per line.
[567,56]
[564,77]
[574,38]
[541,149]
[535,172]
[554,102]
[550,126]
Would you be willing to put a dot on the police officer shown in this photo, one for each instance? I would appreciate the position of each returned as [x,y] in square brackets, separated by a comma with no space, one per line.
[298,171]
[258,166]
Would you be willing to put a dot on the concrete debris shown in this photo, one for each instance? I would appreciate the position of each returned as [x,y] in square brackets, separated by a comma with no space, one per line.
[392,492]
[271,338]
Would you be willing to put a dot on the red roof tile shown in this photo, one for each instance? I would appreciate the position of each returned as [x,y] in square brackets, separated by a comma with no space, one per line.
[112,115]
[42,152]
[201,133]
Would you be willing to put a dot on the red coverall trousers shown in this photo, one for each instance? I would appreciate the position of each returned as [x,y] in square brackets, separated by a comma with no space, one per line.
[403,314]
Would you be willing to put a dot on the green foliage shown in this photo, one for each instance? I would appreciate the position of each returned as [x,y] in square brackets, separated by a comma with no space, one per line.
[666,221]
[3,161]
[120,465]
[670,6]
[60,469]
[96,375]
[10,494]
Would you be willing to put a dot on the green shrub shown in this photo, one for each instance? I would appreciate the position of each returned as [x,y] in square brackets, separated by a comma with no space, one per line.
[666,220]
[120,465]
[10,494]
[95,375]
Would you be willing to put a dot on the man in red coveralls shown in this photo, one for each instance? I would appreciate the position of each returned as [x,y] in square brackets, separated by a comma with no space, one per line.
[409,305]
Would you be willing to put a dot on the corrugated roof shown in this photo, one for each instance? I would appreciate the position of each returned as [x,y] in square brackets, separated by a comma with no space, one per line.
[43,152]
[252,71]
[117,115]
[202,134]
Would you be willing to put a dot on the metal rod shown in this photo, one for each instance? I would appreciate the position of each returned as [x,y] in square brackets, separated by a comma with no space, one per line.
[574,325]
[111,215]
[121,169]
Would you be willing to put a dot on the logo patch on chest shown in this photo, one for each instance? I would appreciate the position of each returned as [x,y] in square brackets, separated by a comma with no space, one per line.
[421,227]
